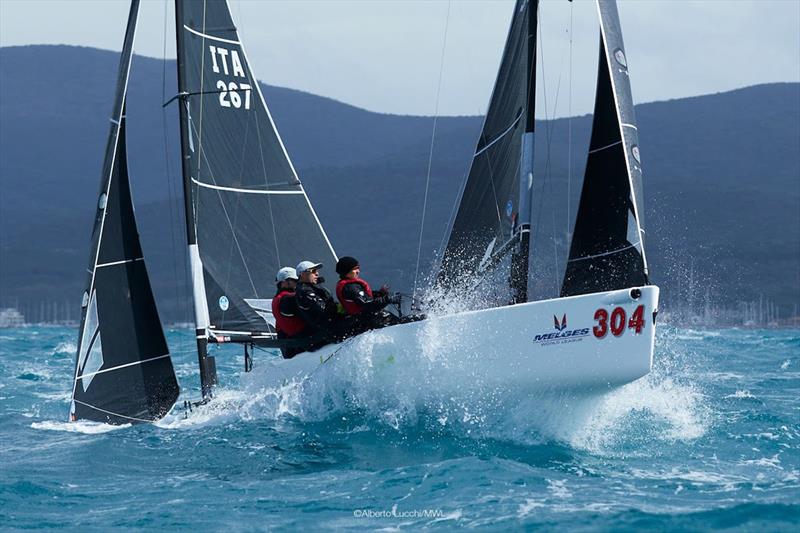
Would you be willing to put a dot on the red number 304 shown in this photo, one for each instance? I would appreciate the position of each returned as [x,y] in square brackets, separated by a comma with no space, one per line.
[617,322]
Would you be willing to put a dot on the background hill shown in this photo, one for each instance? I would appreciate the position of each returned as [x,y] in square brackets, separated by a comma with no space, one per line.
[722,183]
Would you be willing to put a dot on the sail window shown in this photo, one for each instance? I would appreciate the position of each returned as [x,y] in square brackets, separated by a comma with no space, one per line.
[223,303]
[85,300]
[635,152]
[619,55]
[101,203]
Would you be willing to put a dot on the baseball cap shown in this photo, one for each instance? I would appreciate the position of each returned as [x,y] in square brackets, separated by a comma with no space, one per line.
[307,265]
[285,273]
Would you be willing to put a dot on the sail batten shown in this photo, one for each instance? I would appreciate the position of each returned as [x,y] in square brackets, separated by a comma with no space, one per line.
[123,371]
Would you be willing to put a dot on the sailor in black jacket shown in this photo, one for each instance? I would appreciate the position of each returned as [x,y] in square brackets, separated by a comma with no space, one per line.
[314,303]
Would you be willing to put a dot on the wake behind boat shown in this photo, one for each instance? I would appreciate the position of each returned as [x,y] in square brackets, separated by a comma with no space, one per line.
[248,215]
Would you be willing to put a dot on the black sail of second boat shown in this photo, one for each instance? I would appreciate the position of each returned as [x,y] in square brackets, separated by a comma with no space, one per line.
[493,217]
[607,250]
[123,371]
[247,212]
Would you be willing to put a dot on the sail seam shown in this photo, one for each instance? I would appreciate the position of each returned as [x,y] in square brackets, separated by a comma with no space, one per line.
[100,265]
[111,412]
[235,189]
[123,366]
[511,127]
[585,257]
[605,147]
[206,36]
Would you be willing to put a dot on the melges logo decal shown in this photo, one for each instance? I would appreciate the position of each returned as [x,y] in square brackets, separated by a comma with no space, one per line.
[562,335]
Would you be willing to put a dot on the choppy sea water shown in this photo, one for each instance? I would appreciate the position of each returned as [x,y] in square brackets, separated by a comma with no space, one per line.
[710,439]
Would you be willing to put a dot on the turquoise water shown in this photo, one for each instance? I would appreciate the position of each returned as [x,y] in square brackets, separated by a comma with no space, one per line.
[710,439]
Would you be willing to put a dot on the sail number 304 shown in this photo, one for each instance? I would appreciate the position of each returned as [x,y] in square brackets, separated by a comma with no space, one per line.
[617,321]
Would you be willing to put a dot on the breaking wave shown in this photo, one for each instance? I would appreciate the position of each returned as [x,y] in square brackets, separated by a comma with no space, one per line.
[428,395]
[81,426]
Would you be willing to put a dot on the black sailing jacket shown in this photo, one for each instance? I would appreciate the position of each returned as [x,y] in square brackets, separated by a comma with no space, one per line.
[315,305]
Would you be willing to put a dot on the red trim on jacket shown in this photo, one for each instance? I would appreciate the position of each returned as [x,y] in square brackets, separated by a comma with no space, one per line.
[352,307]
[289,325]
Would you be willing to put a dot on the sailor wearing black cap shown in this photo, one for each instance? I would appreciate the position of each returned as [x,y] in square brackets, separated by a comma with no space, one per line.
[358,298]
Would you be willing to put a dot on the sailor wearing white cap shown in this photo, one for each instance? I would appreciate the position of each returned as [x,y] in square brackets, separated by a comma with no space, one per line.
[284,308]
[304,266]
[314,303]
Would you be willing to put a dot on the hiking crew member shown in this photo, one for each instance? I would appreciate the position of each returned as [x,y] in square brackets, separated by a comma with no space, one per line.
[357,298]
[315,304]
[284,308]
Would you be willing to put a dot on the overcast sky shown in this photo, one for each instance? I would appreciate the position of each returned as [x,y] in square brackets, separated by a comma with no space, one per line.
[385,55]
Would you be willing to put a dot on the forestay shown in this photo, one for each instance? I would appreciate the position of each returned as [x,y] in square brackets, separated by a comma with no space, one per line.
[494,209]
[607,250]
[123,371]
[247,212]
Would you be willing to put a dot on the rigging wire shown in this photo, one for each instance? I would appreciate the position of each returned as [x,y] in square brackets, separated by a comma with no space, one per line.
[549,129]
[456,202]
[430,153]
[180,302]
[569,130]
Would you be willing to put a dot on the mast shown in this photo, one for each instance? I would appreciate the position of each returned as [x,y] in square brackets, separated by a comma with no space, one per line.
[207,364]
[123,370]
[519,260]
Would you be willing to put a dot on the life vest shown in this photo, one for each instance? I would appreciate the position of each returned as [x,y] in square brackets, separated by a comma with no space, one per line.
[352,307]
[289,325]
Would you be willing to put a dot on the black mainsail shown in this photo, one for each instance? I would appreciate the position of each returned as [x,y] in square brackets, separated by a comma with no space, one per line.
[607,250]
[123,370]
[493,217]
[246,210]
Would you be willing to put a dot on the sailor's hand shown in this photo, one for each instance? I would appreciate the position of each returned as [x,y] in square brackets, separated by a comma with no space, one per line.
[384,289]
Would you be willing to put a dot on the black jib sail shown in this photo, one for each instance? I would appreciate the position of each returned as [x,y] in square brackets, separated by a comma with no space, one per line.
[247,213]
[123,371]
[493,218]
[607,250]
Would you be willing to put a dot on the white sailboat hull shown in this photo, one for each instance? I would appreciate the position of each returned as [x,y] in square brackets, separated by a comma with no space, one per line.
[587,342]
